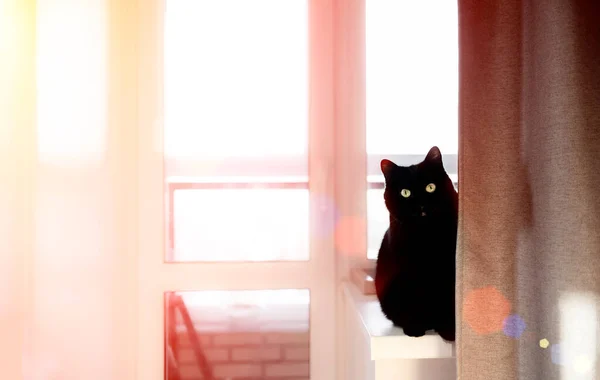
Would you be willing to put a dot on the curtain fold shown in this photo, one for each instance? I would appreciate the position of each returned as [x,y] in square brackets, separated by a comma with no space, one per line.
[529,234]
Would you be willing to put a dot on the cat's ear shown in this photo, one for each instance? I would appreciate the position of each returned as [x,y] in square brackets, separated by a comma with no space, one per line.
[387,166]
[434,156]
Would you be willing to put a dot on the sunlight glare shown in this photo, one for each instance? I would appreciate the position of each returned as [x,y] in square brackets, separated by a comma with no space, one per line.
[262,233]
[72,81]
[14,70]
[8,46]
[412,76]
[236,78]
[578,335]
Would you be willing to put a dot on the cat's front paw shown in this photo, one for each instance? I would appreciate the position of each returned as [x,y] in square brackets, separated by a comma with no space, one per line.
[414,332]
[447,334]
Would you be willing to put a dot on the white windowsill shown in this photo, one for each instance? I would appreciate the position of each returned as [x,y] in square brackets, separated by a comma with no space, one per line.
[387,341]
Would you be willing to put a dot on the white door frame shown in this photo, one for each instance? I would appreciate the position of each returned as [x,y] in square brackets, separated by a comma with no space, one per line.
[156,277]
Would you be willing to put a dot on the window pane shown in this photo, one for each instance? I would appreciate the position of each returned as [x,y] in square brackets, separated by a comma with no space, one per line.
[240,225]
[412,76]
[412,92]
[236,110]
[237,334]
[236,78]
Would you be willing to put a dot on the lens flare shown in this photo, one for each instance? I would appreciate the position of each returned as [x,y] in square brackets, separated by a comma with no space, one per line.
[485,310]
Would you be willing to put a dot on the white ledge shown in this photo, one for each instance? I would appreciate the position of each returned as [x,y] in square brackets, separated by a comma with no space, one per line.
[389,342]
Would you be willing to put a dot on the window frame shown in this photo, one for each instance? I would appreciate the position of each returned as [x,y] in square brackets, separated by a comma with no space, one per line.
[338,166]
[263,173]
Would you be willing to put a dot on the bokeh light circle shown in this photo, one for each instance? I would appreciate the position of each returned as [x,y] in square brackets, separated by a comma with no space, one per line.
[485,310]
[514,326]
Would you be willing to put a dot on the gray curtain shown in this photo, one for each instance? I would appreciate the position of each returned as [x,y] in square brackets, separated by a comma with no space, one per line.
[529,177]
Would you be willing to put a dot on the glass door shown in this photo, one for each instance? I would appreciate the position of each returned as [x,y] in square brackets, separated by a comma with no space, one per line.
[236,246]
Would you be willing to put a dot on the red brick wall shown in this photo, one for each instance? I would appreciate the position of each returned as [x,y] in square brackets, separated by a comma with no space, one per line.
[248,355]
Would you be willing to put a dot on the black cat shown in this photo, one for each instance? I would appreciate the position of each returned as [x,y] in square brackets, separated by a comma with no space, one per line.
[416,267]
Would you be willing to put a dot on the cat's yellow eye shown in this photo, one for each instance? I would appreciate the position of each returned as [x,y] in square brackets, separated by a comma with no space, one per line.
[405,193]
[430,188]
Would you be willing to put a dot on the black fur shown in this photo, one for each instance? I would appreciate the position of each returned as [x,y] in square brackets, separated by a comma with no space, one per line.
[416,267]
